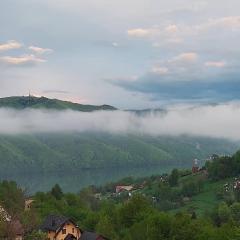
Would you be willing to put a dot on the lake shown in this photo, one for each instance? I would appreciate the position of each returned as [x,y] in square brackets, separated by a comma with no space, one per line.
[76,180]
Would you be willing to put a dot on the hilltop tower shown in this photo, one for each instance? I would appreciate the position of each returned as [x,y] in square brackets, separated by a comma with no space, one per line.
[195,167]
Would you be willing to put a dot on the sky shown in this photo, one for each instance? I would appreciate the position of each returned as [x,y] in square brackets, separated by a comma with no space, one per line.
[126,53]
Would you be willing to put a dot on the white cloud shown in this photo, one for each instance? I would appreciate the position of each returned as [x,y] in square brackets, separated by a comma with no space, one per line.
[230,22]
[115,44]
[39,50]
[10,45]
[160,70]
[218,64]
[142,32]
[172,29]
[22,60]
[186,57]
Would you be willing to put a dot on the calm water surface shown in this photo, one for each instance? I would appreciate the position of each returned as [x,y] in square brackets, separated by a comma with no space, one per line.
[74,181]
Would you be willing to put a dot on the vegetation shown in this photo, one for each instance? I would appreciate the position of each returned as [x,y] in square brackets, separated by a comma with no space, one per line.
[159,207]
[43,102]
[67,152]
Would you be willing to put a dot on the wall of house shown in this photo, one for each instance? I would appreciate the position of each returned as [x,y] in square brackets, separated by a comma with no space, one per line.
[69,230]
[51,235]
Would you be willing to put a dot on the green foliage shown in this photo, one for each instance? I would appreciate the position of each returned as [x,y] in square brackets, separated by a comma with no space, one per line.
[134,210]
[43,153]
[43,102]
[57,192]
[173,178]
[36,235]
[224,166]
[11,197]
[133,219]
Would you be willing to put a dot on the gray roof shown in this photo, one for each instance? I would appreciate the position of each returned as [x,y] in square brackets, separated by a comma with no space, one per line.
[53,223]
[91,236]
[88,236]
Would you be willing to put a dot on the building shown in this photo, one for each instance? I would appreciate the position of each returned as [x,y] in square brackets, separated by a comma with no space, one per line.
[60,228]
[28,204]
[13,225]
[123,188]
[195,167]
[63,228]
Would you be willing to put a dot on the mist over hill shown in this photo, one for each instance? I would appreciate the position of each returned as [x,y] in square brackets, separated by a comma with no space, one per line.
[45,135]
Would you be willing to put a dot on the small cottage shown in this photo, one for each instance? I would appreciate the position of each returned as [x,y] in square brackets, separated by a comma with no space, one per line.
[60,228]
[63,228]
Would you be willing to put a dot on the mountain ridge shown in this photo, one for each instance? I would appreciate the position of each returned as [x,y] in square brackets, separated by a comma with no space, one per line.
[23,102]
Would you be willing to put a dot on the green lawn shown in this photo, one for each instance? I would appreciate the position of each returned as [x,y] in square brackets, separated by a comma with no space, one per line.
[207,199]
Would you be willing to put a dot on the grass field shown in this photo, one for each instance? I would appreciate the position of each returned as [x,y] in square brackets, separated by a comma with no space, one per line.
[207,199]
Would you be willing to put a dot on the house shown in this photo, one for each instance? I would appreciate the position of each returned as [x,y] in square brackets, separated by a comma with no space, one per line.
[4,215]
[123,188]
[28,204]
[14,225]
[60,228]
[63,228]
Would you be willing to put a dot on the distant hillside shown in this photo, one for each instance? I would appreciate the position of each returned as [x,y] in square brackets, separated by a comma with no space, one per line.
[66,152]
[43,102]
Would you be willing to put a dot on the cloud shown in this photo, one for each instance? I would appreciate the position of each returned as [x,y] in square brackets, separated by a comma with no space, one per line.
[172,29]
[212,121]
[39,50]
[160,70]
[219,64]
[229,22]
[10,45]
[22,60]
[194,34]
[184,83]
[186,57]
[56,91]
[142,32]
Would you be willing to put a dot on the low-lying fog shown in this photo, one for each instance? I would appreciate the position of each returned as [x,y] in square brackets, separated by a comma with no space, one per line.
[214,121]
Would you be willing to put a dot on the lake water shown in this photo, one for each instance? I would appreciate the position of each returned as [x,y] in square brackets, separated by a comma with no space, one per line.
[74,181]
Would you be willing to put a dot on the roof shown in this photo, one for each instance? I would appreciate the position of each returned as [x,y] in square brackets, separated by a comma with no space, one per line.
[91,236]
[88,236]
[54,222]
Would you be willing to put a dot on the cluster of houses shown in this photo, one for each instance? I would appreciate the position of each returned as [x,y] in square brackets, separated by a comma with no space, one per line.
[55,227]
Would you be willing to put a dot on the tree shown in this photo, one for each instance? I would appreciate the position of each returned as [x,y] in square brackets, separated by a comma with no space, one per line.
[133,210]
[105,227]
[224,213]
[36,235]
[235,210]
[57,192]
[173,178]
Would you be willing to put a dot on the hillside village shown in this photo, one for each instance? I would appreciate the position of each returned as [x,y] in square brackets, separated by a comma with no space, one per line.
[95,212]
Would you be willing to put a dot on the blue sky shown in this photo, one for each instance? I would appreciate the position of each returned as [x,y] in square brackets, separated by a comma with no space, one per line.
[130,54]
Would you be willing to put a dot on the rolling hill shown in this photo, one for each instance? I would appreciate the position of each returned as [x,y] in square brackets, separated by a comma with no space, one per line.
[67,152]
[43,102]
[70,151]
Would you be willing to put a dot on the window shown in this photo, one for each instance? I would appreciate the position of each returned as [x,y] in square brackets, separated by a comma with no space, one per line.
[64,231]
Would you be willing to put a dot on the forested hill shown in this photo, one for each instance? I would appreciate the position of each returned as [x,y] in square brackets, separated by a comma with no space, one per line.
[67,152]
[43,102]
